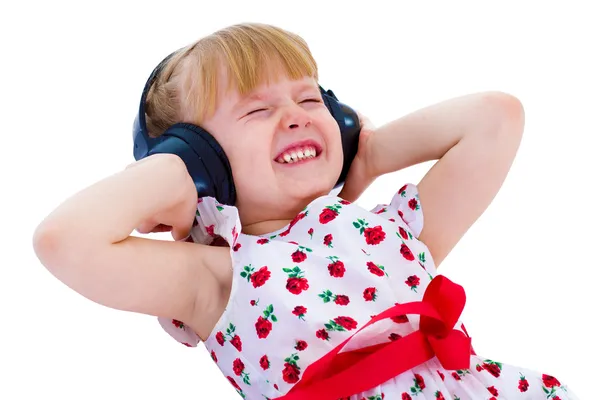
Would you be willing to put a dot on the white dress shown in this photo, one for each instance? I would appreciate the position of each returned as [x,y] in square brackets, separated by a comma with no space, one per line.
[299,292]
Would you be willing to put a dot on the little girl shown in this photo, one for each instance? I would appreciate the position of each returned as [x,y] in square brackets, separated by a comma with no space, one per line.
[297,293]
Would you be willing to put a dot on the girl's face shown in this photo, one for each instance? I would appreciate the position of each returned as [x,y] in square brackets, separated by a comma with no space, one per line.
[284,148]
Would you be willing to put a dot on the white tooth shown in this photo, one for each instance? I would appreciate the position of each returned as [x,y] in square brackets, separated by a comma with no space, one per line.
[313,152]
[287,157]
[299,155]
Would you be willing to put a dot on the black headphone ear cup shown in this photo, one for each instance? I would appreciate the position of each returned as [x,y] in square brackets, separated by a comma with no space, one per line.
[349,124]
[204,158]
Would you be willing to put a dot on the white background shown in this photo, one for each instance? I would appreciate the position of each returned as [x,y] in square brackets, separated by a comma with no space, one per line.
[71,78]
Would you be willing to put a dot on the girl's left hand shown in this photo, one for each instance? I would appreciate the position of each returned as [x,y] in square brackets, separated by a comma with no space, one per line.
[359,176]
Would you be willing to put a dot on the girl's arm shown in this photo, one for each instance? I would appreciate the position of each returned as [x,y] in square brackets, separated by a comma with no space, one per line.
[474,137]
[86,244]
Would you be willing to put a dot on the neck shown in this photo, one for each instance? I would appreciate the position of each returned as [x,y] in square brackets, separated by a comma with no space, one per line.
[263,227]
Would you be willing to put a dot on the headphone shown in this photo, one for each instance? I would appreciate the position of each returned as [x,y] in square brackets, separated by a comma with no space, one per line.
[205,159]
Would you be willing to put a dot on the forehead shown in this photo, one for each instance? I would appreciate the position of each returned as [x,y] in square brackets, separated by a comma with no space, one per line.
[270,83]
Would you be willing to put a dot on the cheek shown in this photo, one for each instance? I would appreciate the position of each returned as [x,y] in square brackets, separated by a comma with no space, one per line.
[248,162]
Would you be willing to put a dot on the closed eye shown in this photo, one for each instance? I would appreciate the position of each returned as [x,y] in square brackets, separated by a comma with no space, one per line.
[257,110]
[312,100]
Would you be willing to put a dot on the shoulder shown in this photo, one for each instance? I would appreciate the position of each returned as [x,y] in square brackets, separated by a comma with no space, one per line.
[405,205]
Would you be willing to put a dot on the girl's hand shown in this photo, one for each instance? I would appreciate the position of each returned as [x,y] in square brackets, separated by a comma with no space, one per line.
[178,217]
[360,175]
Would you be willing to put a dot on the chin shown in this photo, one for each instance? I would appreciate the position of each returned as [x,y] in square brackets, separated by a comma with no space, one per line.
[307,191]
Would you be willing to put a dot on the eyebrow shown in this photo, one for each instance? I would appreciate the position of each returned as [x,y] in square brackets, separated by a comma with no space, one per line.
[261,97]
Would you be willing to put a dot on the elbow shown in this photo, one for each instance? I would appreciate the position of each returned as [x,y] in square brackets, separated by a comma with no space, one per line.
[48,245]
[506,111]
[54,248]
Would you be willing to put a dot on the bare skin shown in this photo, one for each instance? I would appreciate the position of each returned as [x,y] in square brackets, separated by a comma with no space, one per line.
[475,138]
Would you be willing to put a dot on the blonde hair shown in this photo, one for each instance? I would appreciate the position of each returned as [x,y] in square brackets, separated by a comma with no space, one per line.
[251,53]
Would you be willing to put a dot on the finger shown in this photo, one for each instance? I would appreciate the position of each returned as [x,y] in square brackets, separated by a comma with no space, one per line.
[146,227]
[180,234]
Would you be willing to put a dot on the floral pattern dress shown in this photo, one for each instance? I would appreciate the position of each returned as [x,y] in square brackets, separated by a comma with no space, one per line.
[299,292]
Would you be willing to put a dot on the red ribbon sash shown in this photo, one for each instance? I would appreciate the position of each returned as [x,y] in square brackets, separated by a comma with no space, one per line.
[337,375]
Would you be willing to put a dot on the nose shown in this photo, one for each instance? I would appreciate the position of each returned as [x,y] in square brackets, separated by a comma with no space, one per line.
[295,117]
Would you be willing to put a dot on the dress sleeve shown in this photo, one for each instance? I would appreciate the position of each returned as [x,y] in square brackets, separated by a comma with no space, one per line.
[407,205]
[215,225]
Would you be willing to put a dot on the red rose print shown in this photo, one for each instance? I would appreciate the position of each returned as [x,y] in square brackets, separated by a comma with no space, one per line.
[252,302]
[178,324]
[237,247]
[310,232]
[238,366]
[394,336]
[328,215]
[419,385]
[478,368]
[550,381]
[233,339]
[327,240]
[341,300]
[262,241]
[492,368]
[259,277]
[220,338]
[370,294]
[213,355]
[290,373]
[439,396]
[336,269]
[403,233]
[263,327]
[237,342]
[344,202]
[406,253]
[402,189]
[419,382]
[400,319]
[374,236]
[293,222]
[346,323]
[301,345]
[400,214]
[413,281]
[210,230]
[299,311]
[264,362]
[406,396]
[455,376]
[295,283]
[322,334]
[375,269]
[413,204]
[235,385]
[442,377]
[493,390]
[523,384]
[298,256]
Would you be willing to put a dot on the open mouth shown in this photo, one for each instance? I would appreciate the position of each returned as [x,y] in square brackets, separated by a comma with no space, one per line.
[299,153]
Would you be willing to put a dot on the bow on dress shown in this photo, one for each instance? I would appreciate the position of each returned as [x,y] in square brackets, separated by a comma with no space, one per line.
[337,375]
